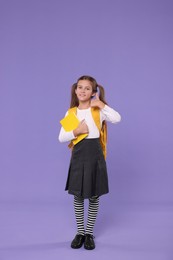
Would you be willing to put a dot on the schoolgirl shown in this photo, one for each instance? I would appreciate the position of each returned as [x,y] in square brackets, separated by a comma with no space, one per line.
[87,175]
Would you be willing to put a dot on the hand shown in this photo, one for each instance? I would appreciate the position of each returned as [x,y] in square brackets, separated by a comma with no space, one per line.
[96,102]
[81,129]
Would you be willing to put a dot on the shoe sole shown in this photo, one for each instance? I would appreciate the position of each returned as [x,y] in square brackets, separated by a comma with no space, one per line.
[89,248]
[74,247]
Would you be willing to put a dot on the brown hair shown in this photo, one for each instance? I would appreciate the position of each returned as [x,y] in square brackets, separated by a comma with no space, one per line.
[74,99]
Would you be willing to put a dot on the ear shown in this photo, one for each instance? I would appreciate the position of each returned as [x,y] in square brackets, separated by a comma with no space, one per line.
[93,95]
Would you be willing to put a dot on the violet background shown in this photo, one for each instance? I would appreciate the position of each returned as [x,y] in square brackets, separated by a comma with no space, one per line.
[45,46]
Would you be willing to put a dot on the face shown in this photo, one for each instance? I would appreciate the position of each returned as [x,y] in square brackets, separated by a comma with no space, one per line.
[84,90]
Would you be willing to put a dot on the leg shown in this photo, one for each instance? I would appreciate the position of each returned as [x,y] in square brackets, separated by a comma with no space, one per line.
[92,214]
[79,214]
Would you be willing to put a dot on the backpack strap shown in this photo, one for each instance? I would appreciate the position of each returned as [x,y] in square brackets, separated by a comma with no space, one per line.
[103,130]
[72,110]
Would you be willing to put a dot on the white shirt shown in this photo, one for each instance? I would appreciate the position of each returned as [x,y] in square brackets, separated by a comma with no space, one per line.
[107,113]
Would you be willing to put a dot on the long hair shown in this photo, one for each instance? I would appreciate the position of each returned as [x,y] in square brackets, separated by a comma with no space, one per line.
[95,87]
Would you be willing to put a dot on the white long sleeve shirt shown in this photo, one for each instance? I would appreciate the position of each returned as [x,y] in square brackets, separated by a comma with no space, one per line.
[107,113]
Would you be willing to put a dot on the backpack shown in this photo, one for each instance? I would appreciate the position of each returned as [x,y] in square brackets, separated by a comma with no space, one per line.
[102,129]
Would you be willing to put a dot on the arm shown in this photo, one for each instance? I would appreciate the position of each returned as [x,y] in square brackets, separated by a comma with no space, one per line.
[68,136]
[107,113]
[65,136]
[110,115]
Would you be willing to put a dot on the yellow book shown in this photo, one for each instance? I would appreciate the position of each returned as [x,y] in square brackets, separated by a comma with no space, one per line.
[71,122]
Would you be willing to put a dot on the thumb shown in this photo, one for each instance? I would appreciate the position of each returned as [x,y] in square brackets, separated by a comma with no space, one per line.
[97,96]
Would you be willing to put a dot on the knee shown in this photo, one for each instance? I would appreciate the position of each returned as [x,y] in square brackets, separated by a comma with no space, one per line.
[94,199]
[77,198]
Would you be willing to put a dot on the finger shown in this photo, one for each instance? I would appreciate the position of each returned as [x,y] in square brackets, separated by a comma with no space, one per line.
[97,96]
[82,121]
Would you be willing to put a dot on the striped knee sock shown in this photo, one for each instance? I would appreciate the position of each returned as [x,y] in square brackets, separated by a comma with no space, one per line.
[92,214]
[79,214]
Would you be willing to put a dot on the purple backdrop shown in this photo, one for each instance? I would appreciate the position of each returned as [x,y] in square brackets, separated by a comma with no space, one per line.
[45,46]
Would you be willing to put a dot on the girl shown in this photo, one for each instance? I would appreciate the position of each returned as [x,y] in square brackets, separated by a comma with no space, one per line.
[87,176]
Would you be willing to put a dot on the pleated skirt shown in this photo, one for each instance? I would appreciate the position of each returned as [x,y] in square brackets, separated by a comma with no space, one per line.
[87,175]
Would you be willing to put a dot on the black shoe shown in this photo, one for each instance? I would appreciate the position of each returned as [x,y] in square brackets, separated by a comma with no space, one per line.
[89,242]
[77,241]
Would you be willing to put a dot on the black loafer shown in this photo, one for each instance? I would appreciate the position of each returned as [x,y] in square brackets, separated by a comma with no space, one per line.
[89,242]
[77,241]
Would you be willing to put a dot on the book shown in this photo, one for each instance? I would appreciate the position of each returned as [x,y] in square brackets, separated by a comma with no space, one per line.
[71,122]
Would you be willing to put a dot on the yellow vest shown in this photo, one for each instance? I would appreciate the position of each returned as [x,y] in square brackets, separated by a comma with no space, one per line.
[102,129]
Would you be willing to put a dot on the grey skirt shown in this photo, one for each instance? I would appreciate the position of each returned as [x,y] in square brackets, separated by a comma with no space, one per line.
[87,175]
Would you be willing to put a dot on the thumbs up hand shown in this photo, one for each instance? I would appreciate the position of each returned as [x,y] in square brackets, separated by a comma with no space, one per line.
[96,102]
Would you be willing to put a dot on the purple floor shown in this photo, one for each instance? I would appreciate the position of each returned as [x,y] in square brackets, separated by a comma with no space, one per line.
[34,231]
